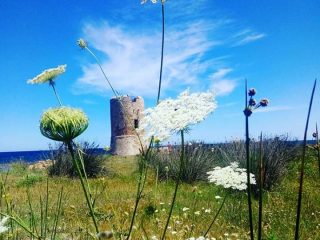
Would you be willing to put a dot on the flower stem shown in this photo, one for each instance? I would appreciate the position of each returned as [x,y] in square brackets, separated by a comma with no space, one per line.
[105,76]
[215,217]
[76,165]
[55,92]
[296,237]
[162,47]
[177,185]
[248,166]
[318,147]
[260,190]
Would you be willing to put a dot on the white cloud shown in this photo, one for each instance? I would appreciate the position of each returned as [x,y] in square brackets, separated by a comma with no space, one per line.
[247,36]
[273,109]
[133,60]
[222,85]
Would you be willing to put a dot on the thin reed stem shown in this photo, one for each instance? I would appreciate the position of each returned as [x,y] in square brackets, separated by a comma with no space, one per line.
[216,216]
[177,185]
[85,190]
[260,190]
[248,165]
[296,236]
[105,76]
[318,147]
[57,215]
[162,47]
[51,83]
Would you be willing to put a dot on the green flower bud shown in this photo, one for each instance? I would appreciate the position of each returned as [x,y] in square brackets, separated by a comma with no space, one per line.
[63,123]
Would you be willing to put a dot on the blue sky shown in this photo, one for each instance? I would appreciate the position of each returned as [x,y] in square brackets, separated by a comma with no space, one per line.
[208,45]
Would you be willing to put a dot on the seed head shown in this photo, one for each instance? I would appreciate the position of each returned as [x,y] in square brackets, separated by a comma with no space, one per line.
[247,112]
[252,102]
[82,43]
[314,135]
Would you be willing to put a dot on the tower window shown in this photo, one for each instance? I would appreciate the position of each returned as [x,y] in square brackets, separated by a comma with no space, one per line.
[136,123]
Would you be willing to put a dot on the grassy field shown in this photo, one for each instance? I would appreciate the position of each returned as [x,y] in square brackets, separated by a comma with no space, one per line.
[195,207]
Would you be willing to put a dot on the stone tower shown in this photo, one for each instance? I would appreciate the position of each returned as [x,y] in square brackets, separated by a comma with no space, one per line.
[125,113]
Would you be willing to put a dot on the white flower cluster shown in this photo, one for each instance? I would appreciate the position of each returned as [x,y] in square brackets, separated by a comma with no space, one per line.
[231,177]
[48,75]
[173,115]
[153,1]
[3,228]
[199,238]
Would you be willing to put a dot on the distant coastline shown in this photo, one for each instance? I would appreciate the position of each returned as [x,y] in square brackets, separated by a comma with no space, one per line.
[32,156]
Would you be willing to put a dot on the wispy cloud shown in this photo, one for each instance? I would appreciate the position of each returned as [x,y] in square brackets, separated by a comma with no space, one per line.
[274,109]
[132,61]
[247,36]
[221,84]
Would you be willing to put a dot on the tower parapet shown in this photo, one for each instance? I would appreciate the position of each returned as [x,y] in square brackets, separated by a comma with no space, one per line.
[125,113]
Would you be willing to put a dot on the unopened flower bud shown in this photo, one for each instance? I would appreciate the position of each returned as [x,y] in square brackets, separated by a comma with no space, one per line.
[82,43]
[314,134]
[264,102]
[252,102]
[247,112]
[252,92]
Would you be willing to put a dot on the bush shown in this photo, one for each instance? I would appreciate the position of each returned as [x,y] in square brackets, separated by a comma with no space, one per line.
[62,161]
[277,152]
[198,161]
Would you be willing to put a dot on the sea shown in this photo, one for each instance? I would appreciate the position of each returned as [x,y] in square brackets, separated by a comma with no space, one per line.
[33,156]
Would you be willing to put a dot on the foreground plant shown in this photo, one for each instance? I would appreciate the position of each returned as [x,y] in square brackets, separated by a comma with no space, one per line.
[48,76]
[250,106]
[230,177]
[64,124]
[175,116]
[297,236]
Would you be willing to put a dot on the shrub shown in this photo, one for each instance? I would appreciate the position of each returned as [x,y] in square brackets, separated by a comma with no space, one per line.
[29,180]
[277,152]
[198,161]
[62,161]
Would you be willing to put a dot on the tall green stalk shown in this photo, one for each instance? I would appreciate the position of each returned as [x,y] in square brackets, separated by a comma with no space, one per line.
[177,185]
[216,216]
[248,166]
[85,190]
[318,147]
[296,236]
[162,47]
[260,190]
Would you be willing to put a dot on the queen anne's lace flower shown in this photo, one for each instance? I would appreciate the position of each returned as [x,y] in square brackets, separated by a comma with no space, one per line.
[48,75]
[3,228]
[173,115]
[230,177]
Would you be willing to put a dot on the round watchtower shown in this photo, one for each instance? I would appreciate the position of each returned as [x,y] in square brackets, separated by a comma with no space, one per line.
[125,113]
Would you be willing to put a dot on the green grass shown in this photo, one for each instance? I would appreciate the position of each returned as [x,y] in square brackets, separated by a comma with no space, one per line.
[115,196]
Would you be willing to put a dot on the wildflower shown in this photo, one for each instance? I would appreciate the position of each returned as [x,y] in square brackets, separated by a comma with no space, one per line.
[153,1]
[3,228]
[230,177]
[105,235]
[264,102]
[208,210]
[197,213]
[252,105]
[82,43]
[185,209]
[48,75]
[217,197]
[252,92]
[63,123]
[173,115]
